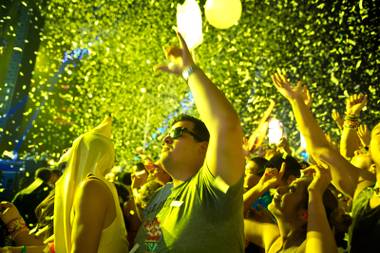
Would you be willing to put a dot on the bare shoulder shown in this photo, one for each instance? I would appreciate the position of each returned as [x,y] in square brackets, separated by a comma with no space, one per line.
[93,189]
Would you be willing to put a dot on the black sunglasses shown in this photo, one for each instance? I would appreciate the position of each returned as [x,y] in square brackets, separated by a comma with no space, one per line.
[179,131]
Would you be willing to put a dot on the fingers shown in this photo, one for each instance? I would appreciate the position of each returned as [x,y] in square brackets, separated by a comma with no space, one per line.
[357,99]
[282,170]
[299,85]
[278,80]
[270,172]
[307,92]
[362,130]
[173,52]
[335,114]
[309,171]
[162,67]
[182,42]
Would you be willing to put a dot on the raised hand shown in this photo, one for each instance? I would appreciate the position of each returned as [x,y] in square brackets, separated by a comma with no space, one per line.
[321,177]
[179,58]
[285,88]
[305,94]
[271,178]
[364,135]
[337,118]
[355,103]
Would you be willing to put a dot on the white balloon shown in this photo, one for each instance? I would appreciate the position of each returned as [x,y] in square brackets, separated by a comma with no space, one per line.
[189,23]
[223,14]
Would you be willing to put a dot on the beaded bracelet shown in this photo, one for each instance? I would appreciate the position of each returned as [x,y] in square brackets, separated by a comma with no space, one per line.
[351,123]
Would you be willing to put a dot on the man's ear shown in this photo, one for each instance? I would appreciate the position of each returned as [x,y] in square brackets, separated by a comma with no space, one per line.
[203,146]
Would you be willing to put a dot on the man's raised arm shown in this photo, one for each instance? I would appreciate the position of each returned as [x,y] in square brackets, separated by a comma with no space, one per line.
[224,155]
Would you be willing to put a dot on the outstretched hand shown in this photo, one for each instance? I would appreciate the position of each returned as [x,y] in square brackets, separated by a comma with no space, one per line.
[179,58]
[355,103]
[364,135]
[337,118]
[290,92]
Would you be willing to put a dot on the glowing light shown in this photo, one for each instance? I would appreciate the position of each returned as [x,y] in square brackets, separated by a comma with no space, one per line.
[275,131]
[189,23]
[303,141]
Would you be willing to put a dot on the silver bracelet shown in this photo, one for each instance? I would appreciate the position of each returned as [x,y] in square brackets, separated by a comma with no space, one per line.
[188,71]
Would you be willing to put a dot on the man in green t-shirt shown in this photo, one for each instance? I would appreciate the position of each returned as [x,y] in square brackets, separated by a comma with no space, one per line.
[201,210]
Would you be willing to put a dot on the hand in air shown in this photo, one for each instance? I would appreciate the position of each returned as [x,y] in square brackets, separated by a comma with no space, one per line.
[179,58]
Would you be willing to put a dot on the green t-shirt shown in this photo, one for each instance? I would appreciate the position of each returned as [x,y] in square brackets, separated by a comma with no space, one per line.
[364,233]
[203,214]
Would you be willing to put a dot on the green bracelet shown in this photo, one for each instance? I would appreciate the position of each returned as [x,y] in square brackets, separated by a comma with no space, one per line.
[351,117]
[23,249]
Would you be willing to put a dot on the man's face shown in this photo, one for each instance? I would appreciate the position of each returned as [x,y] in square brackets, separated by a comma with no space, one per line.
[180,147]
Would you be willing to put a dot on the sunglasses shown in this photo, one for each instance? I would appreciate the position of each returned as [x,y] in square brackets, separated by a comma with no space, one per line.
[179,131]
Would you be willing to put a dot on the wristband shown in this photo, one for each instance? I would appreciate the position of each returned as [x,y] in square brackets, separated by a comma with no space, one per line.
[351,117]
[351,123]
[23,249]
[188,71]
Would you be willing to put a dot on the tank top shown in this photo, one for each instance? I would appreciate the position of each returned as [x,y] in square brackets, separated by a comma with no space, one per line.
[114,237]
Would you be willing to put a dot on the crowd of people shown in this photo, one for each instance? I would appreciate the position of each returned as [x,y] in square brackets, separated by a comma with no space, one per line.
[212,189]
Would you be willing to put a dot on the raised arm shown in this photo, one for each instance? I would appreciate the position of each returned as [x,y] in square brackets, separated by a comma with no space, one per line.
[270,179]
[319,237]
[258,135]
[224,153]
[344,175]
[349,141]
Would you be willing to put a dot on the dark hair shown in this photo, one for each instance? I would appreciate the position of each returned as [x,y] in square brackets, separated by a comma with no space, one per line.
[261,163]
[125,178]
[56,172]
[140,166]
[199,127]
[292,167]
[122,192]
[43,174]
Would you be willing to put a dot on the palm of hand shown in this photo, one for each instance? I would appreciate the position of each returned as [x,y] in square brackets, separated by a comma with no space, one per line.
[355,104]
[364,135]
[284,87]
